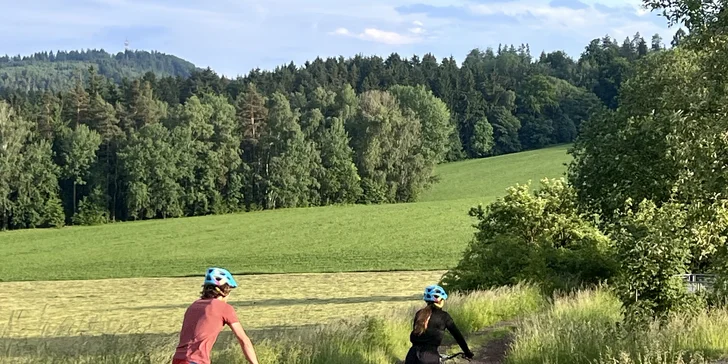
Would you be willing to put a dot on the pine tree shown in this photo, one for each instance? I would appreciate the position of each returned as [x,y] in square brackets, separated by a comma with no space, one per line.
[288,158]
[340,180]
[252,116]
[77,104]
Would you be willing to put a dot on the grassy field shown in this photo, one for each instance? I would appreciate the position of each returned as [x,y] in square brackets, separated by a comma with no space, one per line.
[482,180]
[157,305]
[378,339]
[418,236]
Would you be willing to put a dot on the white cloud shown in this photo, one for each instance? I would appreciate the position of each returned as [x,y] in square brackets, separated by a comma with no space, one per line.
[386,37]
[233,36]
[381,36]
[342,31]
[535,14]
[550,17]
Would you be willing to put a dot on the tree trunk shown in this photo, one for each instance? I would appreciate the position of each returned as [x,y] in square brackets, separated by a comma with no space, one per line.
[116,187]
[74,196]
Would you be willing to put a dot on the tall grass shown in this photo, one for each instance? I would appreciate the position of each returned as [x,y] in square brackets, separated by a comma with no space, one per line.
[373,340]
[585,328]
[378,340]
[484,308]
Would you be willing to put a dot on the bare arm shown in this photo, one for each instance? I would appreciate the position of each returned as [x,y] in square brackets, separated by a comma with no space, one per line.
[245,343]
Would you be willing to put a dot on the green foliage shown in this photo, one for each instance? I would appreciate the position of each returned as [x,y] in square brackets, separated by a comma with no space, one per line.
[653,246]
[538,237]
[424,235]
[28,176]
[78,151]
[505,130]
[340,182]
[664,146]
[92,209]
[433,115]
[291,158]
[57,72]
[635,152]
[218,150]
[389,157]
[55,217]
[143,107]
[587,328]
[150,166]
[481,142]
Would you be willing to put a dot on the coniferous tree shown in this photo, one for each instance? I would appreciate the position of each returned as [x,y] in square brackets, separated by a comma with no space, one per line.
[172,144]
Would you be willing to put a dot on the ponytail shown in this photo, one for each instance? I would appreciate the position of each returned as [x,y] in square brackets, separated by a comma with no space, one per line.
[422,318]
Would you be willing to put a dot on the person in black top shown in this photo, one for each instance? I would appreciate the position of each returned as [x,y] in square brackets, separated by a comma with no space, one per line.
[429,327]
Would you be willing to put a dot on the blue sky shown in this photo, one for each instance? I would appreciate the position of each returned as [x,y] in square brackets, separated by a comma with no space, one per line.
[233,36]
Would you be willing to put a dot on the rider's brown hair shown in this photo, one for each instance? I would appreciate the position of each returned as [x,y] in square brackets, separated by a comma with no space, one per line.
[422,318]
[213,291]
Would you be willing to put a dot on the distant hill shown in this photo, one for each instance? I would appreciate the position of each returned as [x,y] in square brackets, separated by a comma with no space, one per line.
[58,71]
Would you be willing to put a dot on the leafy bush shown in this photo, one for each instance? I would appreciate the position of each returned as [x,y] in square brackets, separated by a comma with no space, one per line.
[539,237]
[653,249]
[92,210]
[54,213]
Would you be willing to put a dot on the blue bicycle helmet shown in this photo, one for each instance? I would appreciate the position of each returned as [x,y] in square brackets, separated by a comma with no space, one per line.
[219,276]
[434,293]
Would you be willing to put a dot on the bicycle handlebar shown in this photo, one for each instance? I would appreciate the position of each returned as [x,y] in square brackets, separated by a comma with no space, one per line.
[445,357]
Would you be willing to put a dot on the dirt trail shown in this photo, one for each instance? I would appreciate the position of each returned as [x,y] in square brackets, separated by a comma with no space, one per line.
[494,351]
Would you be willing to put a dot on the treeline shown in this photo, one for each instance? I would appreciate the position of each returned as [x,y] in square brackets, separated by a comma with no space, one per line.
[49,71]
[359,130]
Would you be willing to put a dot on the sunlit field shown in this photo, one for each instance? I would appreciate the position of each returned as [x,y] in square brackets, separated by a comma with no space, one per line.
[79,294]
[156,305]
[379,338]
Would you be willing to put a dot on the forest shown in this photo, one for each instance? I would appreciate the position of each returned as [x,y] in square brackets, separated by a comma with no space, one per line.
[49,71]
[335,131]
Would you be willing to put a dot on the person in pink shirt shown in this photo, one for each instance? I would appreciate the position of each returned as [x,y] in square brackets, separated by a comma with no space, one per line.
[206,317]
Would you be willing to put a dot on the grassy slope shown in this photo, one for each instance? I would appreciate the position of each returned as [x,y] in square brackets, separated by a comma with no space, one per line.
[425,235]
[481,180]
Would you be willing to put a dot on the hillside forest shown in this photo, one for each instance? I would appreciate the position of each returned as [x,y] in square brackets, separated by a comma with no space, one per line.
[335,131]
[58,71]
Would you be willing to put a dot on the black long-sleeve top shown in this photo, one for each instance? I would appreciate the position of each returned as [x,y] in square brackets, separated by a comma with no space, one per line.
[432,337]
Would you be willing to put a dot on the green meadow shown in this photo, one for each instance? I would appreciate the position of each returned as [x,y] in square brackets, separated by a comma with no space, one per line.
[427,235]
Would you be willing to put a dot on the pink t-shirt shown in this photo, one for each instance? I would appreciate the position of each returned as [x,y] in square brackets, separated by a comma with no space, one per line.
[203,321]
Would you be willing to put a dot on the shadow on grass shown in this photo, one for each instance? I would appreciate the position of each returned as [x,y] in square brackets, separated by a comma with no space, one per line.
[298,301]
